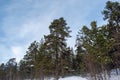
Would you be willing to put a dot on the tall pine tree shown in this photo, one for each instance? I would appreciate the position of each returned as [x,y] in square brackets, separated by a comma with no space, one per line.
[56,43]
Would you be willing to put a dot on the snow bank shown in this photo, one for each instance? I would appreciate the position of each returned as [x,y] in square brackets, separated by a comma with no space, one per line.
[73,78]
[115,77]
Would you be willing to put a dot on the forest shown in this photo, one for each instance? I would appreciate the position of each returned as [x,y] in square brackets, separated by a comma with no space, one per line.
[96,53]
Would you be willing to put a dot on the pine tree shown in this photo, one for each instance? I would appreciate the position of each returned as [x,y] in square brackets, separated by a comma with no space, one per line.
[112,15]
[95,45]
[29,60]
[2,72]
[11,68]
[44,62]
[56,42]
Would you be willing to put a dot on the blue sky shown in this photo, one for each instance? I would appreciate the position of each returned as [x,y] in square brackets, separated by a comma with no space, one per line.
[23,21]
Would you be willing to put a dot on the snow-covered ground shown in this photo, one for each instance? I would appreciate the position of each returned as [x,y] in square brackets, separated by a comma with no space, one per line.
[113,77]
[73,78]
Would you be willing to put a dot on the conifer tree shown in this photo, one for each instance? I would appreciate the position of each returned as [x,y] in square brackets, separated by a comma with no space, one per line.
[96,44]
[112,15]
[11,68]
[2,72]
[29,60]
[56,42]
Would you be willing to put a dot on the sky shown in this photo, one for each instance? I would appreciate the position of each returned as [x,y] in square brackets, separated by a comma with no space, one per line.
[23,21]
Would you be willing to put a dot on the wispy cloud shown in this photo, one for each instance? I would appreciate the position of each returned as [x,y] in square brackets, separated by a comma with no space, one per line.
[27,20]
[24,22]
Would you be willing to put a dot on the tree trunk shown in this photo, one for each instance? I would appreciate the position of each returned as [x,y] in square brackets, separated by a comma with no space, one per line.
[56,70]
[62,67]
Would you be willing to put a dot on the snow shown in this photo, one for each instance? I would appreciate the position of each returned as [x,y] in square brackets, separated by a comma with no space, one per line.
[115,77]
[73,78]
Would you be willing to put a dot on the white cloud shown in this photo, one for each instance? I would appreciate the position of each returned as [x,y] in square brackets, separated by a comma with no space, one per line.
[24,22]
[18,52]
[28,20]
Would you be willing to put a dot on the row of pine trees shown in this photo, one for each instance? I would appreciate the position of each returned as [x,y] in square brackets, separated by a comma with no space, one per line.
[97,51]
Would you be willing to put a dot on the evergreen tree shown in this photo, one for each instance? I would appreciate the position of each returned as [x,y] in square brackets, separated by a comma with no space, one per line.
[29,60]
[96,44]
[44,62]
[11,69]
[112,15]
[2,72]
[24,72]
[80,56]
[56,43]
